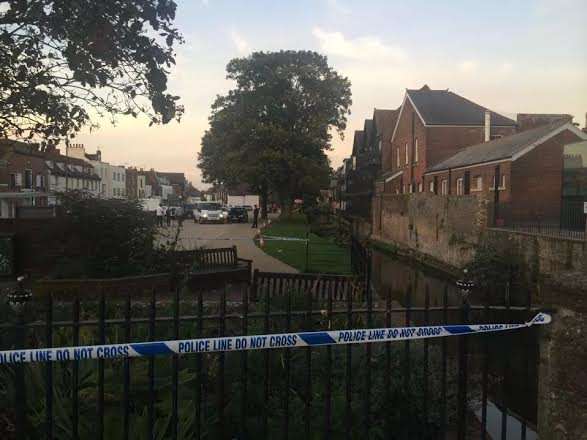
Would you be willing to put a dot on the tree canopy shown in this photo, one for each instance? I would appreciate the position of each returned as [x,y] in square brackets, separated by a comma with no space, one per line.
[273,129]
[65,63]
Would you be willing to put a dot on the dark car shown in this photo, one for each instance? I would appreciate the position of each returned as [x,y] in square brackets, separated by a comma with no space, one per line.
[238,215]
[188,210]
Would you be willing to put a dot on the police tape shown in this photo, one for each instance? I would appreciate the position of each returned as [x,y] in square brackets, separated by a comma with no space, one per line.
[257,342]
[264,237]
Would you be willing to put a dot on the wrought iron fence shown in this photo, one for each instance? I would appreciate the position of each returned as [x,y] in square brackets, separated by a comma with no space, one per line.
[413,389]
[570,223]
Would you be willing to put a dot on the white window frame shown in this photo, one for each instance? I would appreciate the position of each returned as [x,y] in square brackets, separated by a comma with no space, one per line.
[460,186]
[407,154]
[431,186]
[416,154]
[478,183]
[399,165]
[501,187]
[420,187]
[444,187]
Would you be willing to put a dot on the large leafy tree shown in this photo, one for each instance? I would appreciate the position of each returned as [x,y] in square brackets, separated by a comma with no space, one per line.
[273,129]
[66,63]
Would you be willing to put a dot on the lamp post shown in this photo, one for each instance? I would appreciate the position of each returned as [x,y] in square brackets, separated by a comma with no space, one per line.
[18,299]
[465,285]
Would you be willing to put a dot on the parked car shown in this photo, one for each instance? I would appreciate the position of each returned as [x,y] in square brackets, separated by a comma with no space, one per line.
[188,210]
[238,215]
[210,212]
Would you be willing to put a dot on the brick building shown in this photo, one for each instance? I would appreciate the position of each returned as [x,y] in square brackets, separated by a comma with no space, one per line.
[32,178]
[528,166]
[433,125]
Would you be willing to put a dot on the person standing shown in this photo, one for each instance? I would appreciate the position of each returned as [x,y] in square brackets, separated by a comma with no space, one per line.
[168,216]
[255,217]
[159,215]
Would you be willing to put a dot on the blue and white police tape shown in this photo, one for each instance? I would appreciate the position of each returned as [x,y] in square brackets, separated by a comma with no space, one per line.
[264,237]
[257,342]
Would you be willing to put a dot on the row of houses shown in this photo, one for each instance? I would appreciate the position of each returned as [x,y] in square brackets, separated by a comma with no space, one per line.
[33,177]
[534,168]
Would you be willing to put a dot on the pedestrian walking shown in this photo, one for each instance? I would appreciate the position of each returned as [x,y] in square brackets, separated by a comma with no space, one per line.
[159,214]
[255,217]
[168,216]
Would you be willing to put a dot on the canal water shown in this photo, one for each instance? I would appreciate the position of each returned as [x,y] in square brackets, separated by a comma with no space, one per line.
[510,358]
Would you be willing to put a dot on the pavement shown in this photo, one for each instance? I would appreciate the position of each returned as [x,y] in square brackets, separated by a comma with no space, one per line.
[211,236]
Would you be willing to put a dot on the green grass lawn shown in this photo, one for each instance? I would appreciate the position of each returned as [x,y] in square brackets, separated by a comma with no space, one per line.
[324,255]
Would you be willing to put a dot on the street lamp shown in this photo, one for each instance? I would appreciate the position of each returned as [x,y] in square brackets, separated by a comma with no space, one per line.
[19,297]
[466,285]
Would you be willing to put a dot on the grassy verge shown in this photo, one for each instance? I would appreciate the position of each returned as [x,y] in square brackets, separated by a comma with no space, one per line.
[323,256]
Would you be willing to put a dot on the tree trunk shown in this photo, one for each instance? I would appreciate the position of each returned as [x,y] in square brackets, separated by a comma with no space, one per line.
[263,197]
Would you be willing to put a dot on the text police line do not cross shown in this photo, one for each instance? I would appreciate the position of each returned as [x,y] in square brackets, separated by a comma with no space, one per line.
[257,342]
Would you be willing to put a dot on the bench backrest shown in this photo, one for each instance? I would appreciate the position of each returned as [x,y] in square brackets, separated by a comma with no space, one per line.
[207,258]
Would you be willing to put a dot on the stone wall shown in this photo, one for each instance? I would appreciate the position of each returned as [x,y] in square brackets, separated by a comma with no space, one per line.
[544,255]
[444,228]
[562,385]
[449,228]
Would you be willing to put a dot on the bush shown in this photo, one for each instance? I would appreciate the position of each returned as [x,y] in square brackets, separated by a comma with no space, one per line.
[107,238]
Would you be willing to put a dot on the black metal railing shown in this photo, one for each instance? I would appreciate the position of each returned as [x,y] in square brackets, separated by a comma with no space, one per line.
[414,389]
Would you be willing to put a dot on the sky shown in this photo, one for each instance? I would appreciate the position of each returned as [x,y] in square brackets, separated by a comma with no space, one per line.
[517,56]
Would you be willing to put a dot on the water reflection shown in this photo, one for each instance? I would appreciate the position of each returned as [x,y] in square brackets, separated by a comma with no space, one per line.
[511,357]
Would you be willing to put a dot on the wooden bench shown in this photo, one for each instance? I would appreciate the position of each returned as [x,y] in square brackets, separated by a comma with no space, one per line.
[214,268]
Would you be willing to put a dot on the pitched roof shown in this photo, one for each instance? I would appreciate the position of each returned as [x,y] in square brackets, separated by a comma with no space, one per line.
[503,148]
[385,122]
[369,133]
[173,178]
[358,141]
[442,107]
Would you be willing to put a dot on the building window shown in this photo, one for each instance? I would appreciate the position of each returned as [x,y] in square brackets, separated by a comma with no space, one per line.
[12,180]
[431,186]
[495,136]
[460,186]
[380,144]
[28,179]
[354,162]
[416,155]
[420,187]
[444,187]
[502,183]
[407,154]
[478,180]
[398,158]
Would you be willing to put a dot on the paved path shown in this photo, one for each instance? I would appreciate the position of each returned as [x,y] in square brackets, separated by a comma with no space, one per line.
[220,235]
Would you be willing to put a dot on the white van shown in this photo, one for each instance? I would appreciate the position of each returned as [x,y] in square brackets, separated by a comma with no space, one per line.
[208,212]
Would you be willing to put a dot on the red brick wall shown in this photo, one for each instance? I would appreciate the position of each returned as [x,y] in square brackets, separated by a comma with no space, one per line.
[444,142]
[17,163]
[486,172]
[404,135]
[435,144]
[537,181]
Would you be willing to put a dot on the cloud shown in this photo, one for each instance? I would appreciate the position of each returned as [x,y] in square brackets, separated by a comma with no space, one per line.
[337,6]
[468,66]
[361,48]
[242,46]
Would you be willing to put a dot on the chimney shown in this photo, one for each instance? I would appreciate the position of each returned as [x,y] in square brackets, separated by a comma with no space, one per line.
[487,125]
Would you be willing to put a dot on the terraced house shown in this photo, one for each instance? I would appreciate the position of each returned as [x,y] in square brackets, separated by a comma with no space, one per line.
[432,125]
[366,160]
